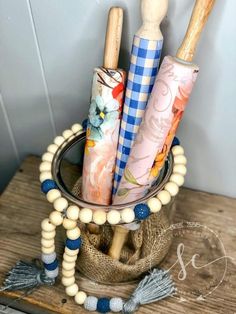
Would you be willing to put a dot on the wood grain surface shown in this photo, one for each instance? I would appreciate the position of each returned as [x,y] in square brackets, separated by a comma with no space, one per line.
[22,207]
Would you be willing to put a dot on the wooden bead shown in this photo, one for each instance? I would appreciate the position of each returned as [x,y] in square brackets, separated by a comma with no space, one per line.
[60,204]
[164,197]
[67,134]
[154,204]
[59,140]
[72,212]
[47,243]
[47,157]
[180,169]
[68,281]
[73,234]
[80,297]
[48,235]
[69,224]
[177,178]
[113,217]
[71,252]
[76,128]
[68,273]
[56,218]
[180,160]
[69,258]
[177,150]
[48,250]
[172,188]
[45,176]
[68,266]
[47,226]
[45,166]
[127,215]
[72,290]
[99,217]
[52,148]
[86,215]
[52,195]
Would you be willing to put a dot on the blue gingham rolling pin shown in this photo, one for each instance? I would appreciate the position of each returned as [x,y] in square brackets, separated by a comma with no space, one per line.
[145,57]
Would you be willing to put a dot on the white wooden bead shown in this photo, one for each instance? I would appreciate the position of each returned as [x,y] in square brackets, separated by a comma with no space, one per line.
[154,204]
[47,226]
[69,223]
[180,169]
[59,140]
[164,197]
[47,243]
[180,160]
[48,250]
[76,128]
[69,258]
[45,166]
[68,266]
[45,175]
[68,281]
[177,178]
[172,188]
[48,235]
[52,195]
[67,133]
[177,150]
[127,215]
[47,157]
[60,204]
[80,297]
[71,252]
[73,234]
[72,290]
[68,273]
[72,212]
[52,148]
[56,218]
[113,217]
[86,215]
[99,217]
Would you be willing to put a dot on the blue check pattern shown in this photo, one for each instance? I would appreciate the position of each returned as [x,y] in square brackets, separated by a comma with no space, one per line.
[145,58]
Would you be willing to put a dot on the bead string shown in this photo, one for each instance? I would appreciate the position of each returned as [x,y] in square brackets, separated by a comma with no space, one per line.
[68,215]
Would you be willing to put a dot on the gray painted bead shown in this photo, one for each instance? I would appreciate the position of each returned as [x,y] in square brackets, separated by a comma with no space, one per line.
[90,303]
[48,258]
[52,273]
[116,305]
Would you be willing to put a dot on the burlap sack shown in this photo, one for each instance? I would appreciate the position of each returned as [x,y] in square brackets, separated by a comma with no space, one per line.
[145,249]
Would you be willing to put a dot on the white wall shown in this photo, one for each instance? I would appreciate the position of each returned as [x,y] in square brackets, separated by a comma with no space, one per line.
[48,49]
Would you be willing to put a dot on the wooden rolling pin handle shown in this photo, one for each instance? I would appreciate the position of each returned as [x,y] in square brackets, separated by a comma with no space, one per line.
[119,238]
[201,12]
[113,38]
[153,12]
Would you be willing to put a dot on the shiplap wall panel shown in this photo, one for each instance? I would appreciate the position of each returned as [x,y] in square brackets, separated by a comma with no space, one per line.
[22,80]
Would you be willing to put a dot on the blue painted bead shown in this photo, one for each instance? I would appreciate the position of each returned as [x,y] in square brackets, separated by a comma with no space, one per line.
[142,211]
[175,142]
[84,124]
[74,244]
[51,266]
[48,185]
[103,305]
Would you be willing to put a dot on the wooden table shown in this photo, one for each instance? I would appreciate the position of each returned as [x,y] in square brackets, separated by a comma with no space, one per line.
[22,208]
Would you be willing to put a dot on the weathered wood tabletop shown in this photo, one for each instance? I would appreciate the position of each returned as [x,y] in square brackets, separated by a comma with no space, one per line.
[209,289]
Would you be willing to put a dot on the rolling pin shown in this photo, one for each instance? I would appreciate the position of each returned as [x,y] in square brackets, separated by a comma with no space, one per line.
[104,118]
[173,86]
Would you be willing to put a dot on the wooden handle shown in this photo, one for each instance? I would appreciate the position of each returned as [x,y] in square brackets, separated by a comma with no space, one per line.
[153,12]
[113,38]
[119,238]
[201,11]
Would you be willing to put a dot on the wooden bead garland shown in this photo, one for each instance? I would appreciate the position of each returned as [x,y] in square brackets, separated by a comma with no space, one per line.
[68,216]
